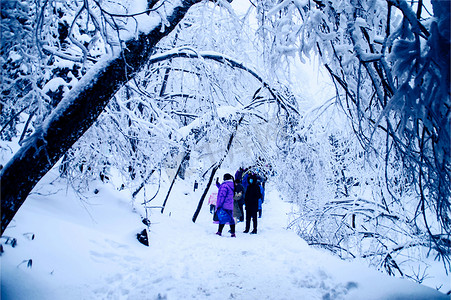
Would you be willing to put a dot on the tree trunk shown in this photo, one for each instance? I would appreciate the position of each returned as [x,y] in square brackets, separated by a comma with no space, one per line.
[184,159]
[204,194]
[76,113]
[213,172]
[142,185]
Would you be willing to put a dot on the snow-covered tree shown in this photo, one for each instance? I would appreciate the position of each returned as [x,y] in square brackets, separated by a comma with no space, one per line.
[156,92]
[145,86]
[389,61]
[129,44]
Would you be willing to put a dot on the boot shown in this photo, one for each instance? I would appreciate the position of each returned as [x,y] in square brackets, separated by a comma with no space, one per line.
[220,228]
[254,231]
[233,235]
[246,231]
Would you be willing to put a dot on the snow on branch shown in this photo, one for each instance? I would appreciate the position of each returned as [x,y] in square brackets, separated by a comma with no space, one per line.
[188,52]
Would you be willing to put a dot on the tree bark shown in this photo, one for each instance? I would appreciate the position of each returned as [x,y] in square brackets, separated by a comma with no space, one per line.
[75,114]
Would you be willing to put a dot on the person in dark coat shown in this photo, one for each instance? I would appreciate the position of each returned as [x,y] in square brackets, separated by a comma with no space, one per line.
[239,174]
[224,204]
[251,202]
[239,189]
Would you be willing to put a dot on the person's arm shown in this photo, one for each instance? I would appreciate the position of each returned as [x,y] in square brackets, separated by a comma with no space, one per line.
[217,182]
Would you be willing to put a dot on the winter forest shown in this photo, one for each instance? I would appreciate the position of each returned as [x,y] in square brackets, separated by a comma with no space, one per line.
[344,105]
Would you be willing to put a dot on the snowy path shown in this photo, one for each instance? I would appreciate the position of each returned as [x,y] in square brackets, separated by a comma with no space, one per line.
[96,256]
[274,264]
[191,262]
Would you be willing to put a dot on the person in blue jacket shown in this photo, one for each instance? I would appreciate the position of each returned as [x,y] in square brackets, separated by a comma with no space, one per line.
[262,198]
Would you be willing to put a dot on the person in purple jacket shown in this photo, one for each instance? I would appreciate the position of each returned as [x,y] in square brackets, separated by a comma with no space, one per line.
[224,204]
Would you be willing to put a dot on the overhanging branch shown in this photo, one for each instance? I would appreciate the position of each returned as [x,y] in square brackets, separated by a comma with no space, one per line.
[186,52]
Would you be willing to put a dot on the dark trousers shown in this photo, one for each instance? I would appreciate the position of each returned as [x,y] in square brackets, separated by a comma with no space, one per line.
[242,212]
[221,227]
[251,215]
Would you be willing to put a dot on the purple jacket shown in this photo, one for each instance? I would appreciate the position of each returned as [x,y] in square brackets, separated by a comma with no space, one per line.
[225,195]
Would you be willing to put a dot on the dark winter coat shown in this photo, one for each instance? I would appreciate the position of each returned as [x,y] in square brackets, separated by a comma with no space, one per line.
[252,195]
[239,175]
[225,195]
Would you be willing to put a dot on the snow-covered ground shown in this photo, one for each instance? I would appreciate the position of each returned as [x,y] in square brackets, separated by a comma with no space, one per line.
[87,249]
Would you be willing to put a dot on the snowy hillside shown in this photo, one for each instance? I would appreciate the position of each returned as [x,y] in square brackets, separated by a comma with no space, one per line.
[69,248]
